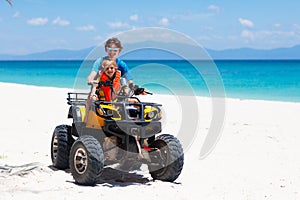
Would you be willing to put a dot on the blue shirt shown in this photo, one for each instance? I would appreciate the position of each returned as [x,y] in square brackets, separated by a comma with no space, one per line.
[122,66]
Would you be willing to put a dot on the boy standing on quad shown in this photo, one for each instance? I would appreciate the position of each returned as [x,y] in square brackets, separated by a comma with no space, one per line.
[113,47]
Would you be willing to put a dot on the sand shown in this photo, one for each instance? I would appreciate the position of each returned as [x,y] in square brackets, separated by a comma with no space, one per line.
[254,158]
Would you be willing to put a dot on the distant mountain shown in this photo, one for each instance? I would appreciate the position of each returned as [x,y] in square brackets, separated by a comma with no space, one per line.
[138,52]
[59,54]
[248,53]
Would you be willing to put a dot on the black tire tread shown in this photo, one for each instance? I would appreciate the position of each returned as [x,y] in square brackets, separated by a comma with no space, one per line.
[172,171]
[65,142]
[95,160]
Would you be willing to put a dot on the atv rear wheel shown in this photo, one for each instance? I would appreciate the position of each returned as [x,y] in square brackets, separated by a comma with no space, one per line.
[86,160]
[60,146]
[167,160]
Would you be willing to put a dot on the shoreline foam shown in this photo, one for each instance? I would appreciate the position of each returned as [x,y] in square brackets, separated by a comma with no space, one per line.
[208,97]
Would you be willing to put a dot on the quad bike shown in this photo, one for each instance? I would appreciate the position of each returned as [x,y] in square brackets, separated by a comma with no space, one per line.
[121,133]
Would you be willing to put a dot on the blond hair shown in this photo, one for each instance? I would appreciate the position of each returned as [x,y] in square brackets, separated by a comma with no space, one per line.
[106,63]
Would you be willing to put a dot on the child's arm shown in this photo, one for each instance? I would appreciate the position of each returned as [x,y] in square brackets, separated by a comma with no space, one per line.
[91,77]
[95,70]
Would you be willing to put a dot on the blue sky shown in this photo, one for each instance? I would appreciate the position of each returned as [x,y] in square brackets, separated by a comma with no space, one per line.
[40,25]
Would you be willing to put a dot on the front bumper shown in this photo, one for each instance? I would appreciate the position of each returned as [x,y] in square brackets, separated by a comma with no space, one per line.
[134,128]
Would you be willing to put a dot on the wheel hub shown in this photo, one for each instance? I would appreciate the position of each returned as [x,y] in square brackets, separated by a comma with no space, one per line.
[80,160]
[54,147]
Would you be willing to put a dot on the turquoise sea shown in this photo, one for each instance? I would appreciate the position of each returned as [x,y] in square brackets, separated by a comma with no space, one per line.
[277,80]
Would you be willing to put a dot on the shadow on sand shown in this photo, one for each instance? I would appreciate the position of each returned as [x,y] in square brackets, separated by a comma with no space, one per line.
[111,177]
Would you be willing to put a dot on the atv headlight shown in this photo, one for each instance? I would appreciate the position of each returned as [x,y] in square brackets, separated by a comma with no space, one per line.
[151,114]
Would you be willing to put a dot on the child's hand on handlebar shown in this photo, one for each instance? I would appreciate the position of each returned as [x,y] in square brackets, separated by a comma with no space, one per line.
[141,91]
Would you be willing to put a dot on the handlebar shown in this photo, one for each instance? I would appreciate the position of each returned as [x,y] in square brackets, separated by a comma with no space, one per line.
[149,93]
[136,90]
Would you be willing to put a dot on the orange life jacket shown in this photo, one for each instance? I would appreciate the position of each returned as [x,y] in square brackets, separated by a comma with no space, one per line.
[115,85]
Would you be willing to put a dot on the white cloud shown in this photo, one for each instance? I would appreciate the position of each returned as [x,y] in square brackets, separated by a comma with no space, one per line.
[277,25]
[296,26]
[58,41]
[86,28]
[164,21]
[207,28]
[134,17]
[98,38]
[246,22]
[192,16]
[60,22]
[37,21]
[16,15]
[281,33]
[214,8]
[117,25]
[154,34]
[266,34]
[248,34]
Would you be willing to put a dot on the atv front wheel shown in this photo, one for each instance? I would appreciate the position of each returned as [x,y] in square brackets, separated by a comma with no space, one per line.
[167,160]
[60,146]
[86,160]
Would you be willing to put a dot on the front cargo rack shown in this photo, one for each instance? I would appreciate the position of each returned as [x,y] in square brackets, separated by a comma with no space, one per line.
[77,98]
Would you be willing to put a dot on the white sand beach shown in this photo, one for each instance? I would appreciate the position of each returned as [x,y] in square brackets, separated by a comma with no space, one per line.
[255,158]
